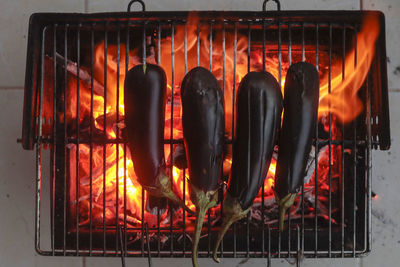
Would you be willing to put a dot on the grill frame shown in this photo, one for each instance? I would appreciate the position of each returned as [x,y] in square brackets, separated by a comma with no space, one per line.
[377,115]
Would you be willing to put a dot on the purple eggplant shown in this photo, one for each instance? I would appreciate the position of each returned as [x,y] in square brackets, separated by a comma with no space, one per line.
[145,99]
[203,132]
[299,121]
[259,108]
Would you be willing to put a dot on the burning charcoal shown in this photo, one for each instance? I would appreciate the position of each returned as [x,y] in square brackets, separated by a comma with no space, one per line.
[310,167]
[129,219]
[203,131]
[145,96]
[259,108]
[299,121]
[84,130]
[268,201]
[84,75]
[227,164]
[156,204]
[111,122]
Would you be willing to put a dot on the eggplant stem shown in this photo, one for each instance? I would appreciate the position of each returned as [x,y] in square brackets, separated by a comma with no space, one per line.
[232,213]
[144,67]
[285,204]
[163,188]
[203,201]
[173,197]
[200,213]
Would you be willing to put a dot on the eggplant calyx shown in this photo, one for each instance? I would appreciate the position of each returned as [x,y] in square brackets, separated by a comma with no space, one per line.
[232,212]
[284,204]
[163,188]
[203,201]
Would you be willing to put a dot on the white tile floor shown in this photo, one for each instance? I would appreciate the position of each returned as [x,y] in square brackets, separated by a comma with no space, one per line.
[391,9]
[14,21]
[17,166]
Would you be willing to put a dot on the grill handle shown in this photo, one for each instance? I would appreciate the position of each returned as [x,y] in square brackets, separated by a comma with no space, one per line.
[264,7]
[278,5]
[134,1]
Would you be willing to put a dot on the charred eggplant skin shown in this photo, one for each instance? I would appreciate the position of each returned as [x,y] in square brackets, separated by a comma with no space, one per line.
[203,124]
[203,127]
[298,129]
[144,99]
[259,108]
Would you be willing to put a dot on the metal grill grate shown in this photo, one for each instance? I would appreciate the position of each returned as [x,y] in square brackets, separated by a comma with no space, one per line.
[318,37]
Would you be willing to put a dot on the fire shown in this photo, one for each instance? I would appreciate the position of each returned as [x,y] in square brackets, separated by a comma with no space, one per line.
[343,100]
[108,113]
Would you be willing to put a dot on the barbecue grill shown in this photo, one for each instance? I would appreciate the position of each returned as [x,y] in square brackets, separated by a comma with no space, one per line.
[72,114]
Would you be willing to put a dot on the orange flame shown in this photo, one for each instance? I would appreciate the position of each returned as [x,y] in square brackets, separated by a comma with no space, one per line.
[343,100]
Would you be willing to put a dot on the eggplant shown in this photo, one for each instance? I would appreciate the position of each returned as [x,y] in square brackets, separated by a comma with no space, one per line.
[300,116]
[259,108]
[145,99]
[203,124]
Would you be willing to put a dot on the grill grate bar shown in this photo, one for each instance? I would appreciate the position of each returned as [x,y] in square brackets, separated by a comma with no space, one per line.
[125,151]
[316,147]
[233,115]
[105,136]
[143,193]
[198,44]
[91,140]
[330,142]
[209,210]
[303,54]
[223,94]
[368,162]
[248,70]
[355,159]
[158,209]
[117,146]
[78,45]
[39,147]
[263,185]
[280,82]
[54,132]
[101,141]
[184,171]
[172,124]
[289,44]
[65,136]
[253,254]
[269,246]
[343,133]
